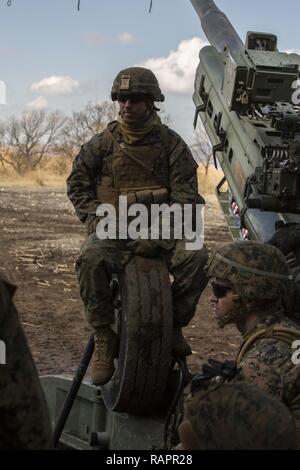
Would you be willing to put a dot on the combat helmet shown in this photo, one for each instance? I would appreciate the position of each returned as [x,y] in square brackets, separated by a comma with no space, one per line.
[237,416]
[136,80]
[255,272]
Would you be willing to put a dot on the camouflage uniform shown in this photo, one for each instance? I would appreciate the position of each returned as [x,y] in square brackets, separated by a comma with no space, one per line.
[236,416]
[108,166]
[287,240]
[24,419]
[268,361]
[259,273]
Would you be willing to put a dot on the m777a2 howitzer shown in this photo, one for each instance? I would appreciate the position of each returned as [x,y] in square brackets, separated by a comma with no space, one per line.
[246,97]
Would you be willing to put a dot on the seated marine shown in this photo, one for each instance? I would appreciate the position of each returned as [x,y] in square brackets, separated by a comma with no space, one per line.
[138,157]
[251,285]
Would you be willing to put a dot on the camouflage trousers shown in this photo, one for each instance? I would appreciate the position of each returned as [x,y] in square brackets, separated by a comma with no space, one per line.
[99,259]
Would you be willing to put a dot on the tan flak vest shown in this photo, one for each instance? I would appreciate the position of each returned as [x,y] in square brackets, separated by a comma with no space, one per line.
[288,336]
[141,172]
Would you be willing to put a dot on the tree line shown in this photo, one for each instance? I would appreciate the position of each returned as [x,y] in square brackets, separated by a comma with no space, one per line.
[27,139]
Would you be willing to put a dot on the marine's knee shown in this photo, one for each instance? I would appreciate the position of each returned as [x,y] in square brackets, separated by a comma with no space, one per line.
[89,257]
[193,258]
[200,257]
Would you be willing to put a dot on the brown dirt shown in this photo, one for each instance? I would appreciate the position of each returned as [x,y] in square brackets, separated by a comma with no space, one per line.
[40,238]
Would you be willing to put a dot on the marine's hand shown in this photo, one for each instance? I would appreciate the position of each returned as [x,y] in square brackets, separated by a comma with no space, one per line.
[213,369]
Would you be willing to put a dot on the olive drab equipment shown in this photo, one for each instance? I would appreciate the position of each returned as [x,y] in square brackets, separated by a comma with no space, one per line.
[245,96]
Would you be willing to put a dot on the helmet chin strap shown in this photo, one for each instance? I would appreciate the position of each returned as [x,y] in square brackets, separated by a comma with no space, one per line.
[238,311]
[241,309]
[151,107]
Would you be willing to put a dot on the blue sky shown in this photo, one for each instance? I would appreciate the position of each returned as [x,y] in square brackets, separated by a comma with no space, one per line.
[84,50]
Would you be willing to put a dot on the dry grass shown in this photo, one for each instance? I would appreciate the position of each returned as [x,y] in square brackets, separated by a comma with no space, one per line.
[54,170]
[207,183]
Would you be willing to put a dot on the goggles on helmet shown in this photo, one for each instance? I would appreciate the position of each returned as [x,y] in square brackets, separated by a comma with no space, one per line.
[220,290]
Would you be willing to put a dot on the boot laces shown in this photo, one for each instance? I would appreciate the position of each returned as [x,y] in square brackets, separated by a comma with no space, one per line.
[101,344]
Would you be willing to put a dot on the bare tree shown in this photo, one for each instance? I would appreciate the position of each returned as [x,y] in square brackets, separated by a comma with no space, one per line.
[202,149]
[27,139]
[2,144]
[82,125]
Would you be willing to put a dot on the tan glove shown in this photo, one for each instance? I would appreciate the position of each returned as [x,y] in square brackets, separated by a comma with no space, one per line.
[186,436]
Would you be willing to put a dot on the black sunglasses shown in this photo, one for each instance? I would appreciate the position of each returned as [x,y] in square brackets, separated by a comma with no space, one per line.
[220,291]
[134,98]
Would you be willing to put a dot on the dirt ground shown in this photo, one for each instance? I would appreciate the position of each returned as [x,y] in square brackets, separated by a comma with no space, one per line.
[40,238]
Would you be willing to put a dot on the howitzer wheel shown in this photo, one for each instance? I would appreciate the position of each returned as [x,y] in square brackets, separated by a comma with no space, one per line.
[144,360]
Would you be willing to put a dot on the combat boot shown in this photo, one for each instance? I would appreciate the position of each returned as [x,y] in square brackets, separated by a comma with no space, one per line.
[180,347]
[104,354]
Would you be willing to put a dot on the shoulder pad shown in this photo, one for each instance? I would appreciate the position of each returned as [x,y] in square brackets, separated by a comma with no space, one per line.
[176,136]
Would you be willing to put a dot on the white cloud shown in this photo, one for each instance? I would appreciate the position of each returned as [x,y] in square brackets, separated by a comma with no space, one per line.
[55,85]
[38,103]
[126,38]
[292,51]
[93,39]
[176,72]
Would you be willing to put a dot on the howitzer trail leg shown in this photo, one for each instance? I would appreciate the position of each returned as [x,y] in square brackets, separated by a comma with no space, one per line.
[77,381]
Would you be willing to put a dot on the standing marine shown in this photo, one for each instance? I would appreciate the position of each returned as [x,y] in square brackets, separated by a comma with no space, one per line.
[139,157]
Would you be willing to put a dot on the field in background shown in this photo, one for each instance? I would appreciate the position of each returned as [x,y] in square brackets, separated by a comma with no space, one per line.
[207,183]
[53,172]
[40,239]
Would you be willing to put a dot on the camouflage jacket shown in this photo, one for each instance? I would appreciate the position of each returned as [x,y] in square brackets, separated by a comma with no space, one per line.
[268,363]
[236,416]
[89,163]
[24,419]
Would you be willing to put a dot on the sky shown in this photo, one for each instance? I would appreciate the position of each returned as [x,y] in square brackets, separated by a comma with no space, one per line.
[55,57]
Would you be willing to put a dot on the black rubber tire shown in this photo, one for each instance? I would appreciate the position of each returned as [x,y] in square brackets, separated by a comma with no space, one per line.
[144,358]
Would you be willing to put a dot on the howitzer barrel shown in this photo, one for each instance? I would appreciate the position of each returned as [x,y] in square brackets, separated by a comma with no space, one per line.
[216,25]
